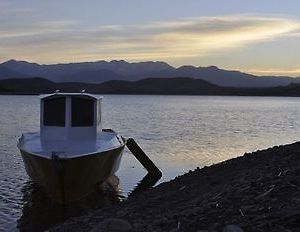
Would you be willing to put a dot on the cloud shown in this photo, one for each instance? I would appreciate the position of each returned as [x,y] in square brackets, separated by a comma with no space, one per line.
[201,36]
[59,41]
[22,32]
[7,8]
[266,72]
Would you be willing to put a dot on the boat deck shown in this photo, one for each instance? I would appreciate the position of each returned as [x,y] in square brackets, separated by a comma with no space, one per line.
[106,140]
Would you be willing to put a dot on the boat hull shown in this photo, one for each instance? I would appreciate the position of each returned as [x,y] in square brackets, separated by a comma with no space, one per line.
[69,180]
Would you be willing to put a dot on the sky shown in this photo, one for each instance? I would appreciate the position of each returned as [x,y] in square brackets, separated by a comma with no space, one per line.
[258,36]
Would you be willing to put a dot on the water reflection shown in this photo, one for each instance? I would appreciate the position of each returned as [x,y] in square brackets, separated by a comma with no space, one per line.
[39,212]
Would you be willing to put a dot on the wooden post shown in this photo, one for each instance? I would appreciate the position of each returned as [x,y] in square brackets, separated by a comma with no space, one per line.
[143,158]
[146,183]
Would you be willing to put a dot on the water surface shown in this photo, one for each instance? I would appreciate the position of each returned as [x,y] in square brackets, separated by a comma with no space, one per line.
[178,133]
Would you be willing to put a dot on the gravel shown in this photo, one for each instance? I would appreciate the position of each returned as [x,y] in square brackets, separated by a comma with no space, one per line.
[258,191]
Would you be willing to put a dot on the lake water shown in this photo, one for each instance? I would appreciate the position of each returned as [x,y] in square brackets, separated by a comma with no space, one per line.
[179,133]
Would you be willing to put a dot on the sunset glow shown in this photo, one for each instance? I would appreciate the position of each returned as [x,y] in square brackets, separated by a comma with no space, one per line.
[37,33]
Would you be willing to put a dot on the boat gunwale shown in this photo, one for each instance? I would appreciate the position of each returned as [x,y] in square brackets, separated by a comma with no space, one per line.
[122,145]
[71,158]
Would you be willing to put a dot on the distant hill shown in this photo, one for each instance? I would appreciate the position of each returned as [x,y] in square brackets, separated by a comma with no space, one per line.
[28,85]
[86,72]
[222,77]
[179,85]
[163,86]
[89,76]
[102,71]
[6,73]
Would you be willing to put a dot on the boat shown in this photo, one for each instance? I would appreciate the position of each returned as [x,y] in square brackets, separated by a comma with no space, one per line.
[71,154]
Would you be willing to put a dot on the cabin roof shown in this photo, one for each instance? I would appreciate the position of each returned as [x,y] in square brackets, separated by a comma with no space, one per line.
[93,96]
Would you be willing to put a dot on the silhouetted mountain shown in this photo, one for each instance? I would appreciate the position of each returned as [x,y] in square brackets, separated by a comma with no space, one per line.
[91,72]
[232,78]
[28,85]
[163,86]
[8,73]
[179,85]
[98,76]
[102,71]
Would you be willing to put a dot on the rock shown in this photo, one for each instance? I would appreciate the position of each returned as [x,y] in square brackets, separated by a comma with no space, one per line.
[174,230]
[232,228]
[121,213]
[114,225]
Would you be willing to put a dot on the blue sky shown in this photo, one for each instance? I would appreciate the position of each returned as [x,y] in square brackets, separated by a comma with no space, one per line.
[261,37]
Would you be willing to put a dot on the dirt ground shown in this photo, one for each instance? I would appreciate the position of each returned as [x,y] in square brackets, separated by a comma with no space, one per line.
[258,191]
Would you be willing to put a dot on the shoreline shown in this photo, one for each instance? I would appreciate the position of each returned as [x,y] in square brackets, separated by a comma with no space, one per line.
[259,191]
[147,86]
[147,94]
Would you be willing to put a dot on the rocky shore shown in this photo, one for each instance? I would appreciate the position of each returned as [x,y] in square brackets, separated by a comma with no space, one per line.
[258,191]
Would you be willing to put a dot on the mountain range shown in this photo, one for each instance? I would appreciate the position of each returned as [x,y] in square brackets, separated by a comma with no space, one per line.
[155,86]
[102,71]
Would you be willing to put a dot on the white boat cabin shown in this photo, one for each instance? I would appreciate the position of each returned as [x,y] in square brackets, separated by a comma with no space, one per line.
[70,116]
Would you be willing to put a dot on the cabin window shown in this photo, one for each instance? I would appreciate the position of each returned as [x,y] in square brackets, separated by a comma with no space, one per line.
[82,112]
[54,111]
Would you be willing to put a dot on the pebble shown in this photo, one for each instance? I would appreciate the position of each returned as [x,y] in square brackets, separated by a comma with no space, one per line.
[232,228]
[113,225]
